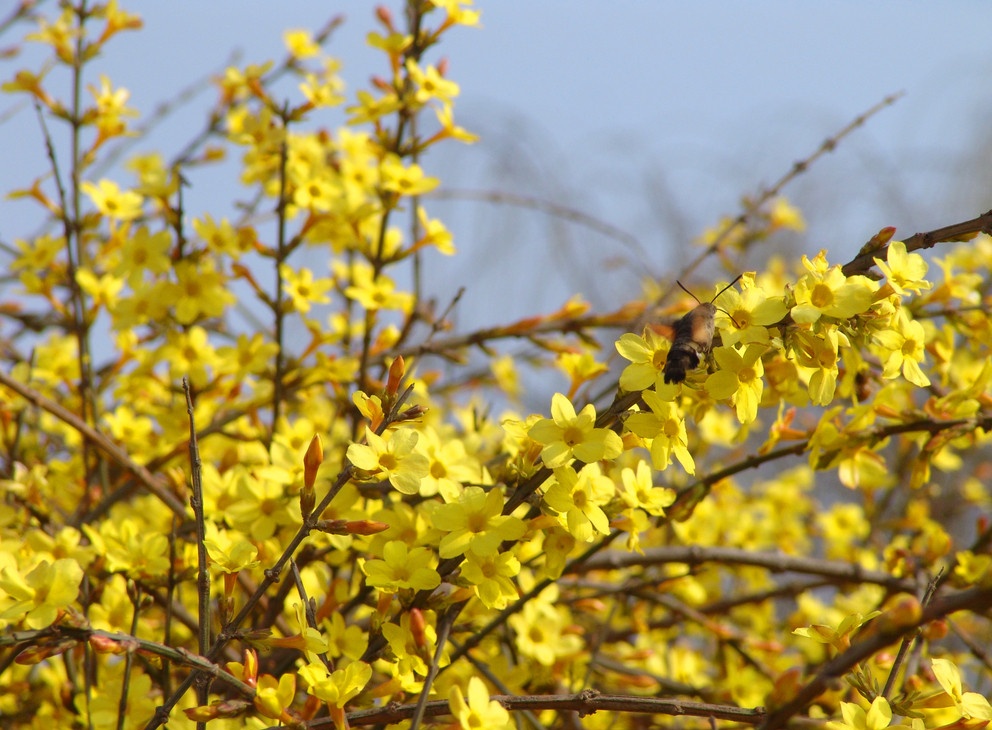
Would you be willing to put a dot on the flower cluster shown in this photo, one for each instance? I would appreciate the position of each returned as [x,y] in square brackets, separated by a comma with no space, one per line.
[230,466]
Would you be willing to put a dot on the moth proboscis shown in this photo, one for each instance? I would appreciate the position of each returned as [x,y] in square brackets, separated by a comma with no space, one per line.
[693,337]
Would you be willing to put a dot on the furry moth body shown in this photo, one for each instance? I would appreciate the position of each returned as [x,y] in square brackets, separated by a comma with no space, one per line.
[693,341]
[693,337]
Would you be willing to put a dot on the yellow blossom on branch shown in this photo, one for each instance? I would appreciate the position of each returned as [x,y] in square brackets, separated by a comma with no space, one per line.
[478,711]
[111,201]
[37,596]
[640,492]
[785,215]
[404,180]
[825,291]
[971,705]
[274,696]
[491,577]
[376,291]
[748,313]
[567,435]
[401,568]
[303,289]
[904,346]
[739,379]
[666,428]
[476,523]
[579,498]
[903,271]
[647,354]
[878,717]
[392,458]
[300,43]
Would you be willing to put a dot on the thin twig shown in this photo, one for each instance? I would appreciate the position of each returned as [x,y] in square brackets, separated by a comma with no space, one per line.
[202,569]
[972,599]
[156,485]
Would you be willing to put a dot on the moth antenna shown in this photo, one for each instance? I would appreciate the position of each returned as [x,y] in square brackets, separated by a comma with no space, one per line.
[728,314]
[693,295]
[739,277]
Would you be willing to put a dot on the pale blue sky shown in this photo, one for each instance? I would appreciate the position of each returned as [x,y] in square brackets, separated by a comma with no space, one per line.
[652,116]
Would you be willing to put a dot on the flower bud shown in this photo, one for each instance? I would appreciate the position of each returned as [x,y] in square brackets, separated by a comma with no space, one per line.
[396,372]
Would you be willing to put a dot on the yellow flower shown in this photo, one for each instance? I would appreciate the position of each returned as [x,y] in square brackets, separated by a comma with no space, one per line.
[376,291]
[825,291]
[449,465]
[639,491]
[567,435]
[337,687]
[201,291]
[446,118]
[144,251]
[222,237]
[262,502]
[111,106]
[540,630]
[475,523]
[303,289]
[401,568]
[904,271]
[38,596]
[490,577]
[904,345]
[971,705]
[666,429]
[479,711]
[393,459]
[404,180]
[580,368]
[229,552]
[785,215]
[102,289]
[750,313]
[430,83]
[273,696]
[878,717]
[248,356]
[579,498]
[819,351]
[300,43]
[739,379]
[111,201]
[458,11]
[647,355]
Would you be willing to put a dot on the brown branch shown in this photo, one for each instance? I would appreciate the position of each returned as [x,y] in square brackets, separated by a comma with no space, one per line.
[584,703]
[975,599]
[828,145]
[156,485]
[775,562]
[548,207]
[954,232]
[620,318]
[178,655]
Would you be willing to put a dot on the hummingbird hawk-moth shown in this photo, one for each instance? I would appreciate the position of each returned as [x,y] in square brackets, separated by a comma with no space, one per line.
[693,337]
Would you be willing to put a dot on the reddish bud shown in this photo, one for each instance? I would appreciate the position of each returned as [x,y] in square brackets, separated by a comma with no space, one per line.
[418,627]
[935,630]
[365,527]
[396,372]
[412,413]
[105,645]
[385,17]
[312,461]
[203,713]
[351,527]
[36,654]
